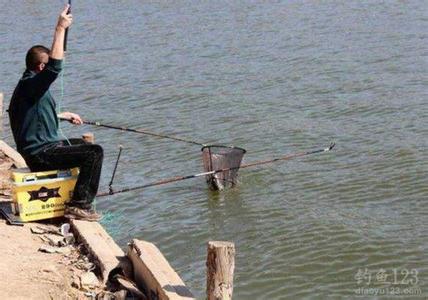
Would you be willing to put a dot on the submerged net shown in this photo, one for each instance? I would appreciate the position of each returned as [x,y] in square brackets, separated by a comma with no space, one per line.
[217,157]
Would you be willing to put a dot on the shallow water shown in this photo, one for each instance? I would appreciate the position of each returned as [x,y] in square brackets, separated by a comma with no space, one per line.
[274,77]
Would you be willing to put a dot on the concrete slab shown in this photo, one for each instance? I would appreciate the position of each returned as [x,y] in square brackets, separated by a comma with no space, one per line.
[154,275]
[18,161]
[105,252]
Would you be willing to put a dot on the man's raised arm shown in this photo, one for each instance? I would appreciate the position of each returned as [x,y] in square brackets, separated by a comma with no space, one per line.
[39,84]
[64,21]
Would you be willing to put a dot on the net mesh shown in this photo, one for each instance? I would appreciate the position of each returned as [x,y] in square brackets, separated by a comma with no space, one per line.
[217,157]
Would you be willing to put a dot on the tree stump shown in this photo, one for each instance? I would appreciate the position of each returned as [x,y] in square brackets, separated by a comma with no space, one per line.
[220,268]
[1,115]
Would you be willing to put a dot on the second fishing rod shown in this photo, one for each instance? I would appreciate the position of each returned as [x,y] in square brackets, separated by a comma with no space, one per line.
[212,172]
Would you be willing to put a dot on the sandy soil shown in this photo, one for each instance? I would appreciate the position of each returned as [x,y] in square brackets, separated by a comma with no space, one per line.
[28,273]
[25,272]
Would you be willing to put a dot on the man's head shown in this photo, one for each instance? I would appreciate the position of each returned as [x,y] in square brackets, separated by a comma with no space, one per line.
[37,57]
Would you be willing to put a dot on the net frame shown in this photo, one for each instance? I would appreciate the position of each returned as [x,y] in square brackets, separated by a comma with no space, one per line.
[217,160]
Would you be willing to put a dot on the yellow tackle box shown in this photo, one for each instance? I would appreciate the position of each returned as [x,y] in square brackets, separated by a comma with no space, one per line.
[42,195]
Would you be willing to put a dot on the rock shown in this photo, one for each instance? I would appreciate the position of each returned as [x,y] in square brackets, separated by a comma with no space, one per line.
[105,295]
[89,281]
[50,249]
[88,266]
[69,239]
[90,295]
[41,229]
[121,295]
[55,240]
[42,237]
[75,282]
[37,230]
[6,193]
[47,249]
[63,250]
[65,229]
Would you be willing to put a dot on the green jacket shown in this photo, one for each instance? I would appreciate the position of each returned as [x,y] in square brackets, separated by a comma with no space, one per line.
[32,110]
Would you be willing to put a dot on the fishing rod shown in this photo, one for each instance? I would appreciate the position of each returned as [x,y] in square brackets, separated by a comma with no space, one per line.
[179,178]
[139,131]
[66,30]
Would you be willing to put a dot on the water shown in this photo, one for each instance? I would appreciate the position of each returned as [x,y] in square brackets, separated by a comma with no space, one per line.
[274,77]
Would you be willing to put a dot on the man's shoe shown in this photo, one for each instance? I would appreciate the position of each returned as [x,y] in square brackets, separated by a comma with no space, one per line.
[73,212]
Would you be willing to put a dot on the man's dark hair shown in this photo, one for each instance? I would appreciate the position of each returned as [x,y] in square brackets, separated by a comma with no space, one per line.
[34,56]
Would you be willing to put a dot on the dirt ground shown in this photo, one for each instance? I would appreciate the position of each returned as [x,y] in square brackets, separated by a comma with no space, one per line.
[26,272]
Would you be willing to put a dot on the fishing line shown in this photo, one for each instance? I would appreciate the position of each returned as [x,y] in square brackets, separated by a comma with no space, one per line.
[62,79]
[60,101]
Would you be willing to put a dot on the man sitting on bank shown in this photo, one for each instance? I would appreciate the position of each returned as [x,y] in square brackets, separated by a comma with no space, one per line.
[34,124]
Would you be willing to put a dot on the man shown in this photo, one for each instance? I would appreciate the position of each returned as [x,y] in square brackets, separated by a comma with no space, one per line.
[34,124]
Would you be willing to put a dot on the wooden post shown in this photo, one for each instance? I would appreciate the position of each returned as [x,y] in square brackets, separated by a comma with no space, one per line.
[88,137]
[1,116]
[220,267]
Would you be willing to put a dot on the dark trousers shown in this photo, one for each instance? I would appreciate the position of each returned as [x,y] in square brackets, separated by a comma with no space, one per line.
[61,155]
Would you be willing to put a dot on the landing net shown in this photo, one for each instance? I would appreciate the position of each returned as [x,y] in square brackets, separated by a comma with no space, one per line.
[217,157]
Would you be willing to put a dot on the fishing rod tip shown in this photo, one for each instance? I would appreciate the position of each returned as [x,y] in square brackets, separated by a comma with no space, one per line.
[120,147]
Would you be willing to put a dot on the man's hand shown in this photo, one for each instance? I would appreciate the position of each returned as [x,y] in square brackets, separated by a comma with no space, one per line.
[65,20]
[71,117]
